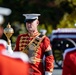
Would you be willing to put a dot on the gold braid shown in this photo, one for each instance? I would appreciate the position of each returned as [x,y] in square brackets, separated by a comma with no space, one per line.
[35,42]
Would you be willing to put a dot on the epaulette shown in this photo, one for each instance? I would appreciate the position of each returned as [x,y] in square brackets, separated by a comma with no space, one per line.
[68,50]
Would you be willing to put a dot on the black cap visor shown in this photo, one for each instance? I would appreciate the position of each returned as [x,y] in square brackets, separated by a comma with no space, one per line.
[29,20]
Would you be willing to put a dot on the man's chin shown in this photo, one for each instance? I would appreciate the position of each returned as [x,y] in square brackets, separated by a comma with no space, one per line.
[30,30]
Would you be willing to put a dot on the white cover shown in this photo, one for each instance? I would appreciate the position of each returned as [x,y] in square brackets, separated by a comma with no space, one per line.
[3,42]
[1,19]
[43,31]
[5,11]
[68,50]
[31,16]
[19,55]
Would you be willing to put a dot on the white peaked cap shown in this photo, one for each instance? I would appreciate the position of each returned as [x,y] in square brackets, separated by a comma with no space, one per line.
[3,42]
[5,11]
[31,16]
[43,31]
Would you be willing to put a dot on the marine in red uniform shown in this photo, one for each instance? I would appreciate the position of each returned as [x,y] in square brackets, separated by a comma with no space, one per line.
[36,46]
[12,64]
[69,62]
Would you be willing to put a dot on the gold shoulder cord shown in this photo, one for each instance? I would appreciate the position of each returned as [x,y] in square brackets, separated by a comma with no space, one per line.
[40,40]
[34,44]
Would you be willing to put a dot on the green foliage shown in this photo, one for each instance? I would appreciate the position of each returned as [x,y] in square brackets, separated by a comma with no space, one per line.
[1,1]
[68,21]
[52,13]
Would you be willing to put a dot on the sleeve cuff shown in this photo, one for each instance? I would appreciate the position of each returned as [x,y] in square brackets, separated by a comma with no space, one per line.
[48,73]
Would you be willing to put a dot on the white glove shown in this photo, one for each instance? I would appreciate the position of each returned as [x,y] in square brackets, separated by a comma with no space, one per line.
[48,73]
[9,48]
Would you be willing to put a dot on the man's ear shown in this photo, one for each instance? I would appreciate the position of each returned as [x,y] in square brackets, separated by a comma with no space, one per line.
[37,22]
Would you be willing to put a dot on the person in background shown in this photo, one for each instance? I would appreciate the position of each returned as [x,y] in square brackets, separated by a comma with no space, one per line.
[36,46]
[69,62]
[3,12]
[16,63]
[43,31]
[1,27]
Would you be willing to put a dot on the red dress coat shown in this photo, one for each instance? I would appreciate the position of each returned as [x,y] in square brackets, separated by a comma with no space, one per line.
[13,66]
[37,67]
[69,62]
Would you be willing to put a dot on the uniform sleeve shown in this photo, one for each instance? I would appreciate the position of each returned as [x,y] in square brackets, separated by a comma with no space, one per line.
[67,65]
[49,59]
[17,44]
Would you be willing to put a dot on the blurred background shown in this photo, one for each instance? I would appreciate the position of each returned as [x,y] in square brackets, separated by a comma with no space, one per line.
[54,14]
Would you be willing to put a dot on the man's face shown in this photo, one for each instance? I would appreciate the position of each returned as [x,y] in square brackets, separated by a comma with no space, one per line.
[32,26]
